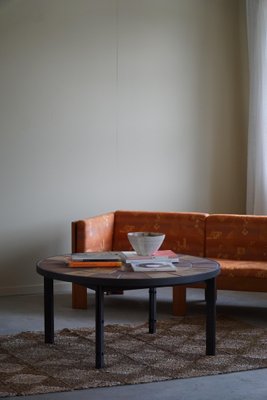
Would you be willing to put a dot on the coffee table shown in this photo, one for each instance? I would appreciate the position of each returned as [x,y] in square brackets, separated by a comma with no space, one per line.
[189,270]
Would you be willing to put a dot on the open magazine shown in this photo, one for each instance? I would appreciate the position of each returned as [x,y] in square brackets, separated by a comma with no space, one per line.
[152,266]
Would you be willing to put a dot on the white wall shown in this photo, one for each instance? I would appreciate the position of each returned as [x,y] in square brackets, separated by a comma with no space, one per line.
[109,104]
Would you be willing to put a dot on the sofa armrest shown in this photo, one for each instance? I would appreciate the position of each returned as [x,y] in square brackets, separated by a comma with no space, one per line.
[93,234]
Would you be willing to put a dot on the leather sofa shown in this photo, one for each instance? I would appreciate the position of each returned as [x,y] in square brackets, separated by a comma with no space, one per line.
[237,242]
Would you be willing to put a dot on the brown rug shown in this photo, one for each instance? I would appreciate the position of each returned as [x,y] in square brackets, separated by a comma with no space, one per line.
[177,350]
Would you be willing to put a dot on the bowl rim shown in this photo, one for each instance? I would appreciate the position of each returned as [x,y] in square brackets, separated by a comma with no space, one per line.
[146,234]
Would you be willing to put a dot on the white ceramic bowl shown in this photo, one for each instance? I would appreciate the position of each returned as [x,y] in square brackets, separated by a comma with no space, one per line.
[146,243]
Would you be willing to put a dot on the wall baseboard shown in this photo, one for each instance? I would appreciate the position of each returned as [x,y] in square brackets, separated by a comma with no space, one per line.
[33,289]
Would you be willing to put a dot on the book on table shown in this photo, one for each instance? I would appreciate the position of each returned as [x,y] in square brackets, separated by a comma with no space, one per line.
[118,258]
[155,266]
[95,259]
[160,255]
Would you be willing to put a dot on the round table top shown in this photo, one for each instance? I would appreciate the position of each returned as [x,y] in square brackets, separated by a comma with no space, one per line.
[189,270]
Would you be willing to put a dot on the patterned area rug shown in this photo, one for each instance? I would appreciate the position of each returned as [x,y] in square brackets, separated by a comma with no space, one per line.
[132,355]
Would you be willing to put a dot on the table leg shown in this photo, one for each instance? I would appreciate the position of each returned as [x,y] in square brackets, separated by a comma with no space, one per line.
[210,295]
[49,310]
[152,310]
[99,327]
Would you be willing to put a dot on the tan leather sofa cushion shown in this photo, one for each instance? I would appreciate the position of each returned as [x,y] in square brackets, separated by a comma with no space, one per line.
[242,268]
[185,232]
[236,237]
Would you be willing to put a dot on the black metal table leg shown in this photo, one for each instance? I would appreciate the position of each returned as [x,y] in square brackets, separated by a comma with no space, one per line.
[49,310]
[210,295]
[152,310]
[99,327]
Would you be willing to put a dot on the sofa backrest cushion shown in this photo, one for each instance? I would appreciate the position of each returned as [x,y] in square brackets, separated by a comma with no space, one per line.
[93,234]
[185,232]
[236,237]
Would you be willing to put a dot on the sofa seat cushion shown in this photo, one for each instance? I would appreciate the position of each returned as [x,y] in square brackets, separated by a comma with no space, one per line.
[185,232]
[241,268]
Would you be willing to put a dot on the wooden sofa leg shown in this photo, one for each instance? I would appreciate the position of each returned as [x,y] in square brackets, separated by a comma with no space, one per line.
[179,300]
[79,296]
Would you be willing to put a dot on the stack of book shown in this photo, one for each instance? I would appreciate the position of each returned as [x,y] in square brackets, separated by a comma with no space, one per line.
[162,260]
[95,259]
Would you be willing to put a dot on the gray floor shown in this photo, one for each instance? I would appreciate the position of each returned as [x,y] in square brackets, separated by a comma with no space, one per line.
[24,313]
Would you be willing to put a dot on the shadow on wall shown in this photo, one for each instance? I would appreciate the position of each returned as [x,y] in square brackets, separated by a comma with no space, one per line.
[19,253]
